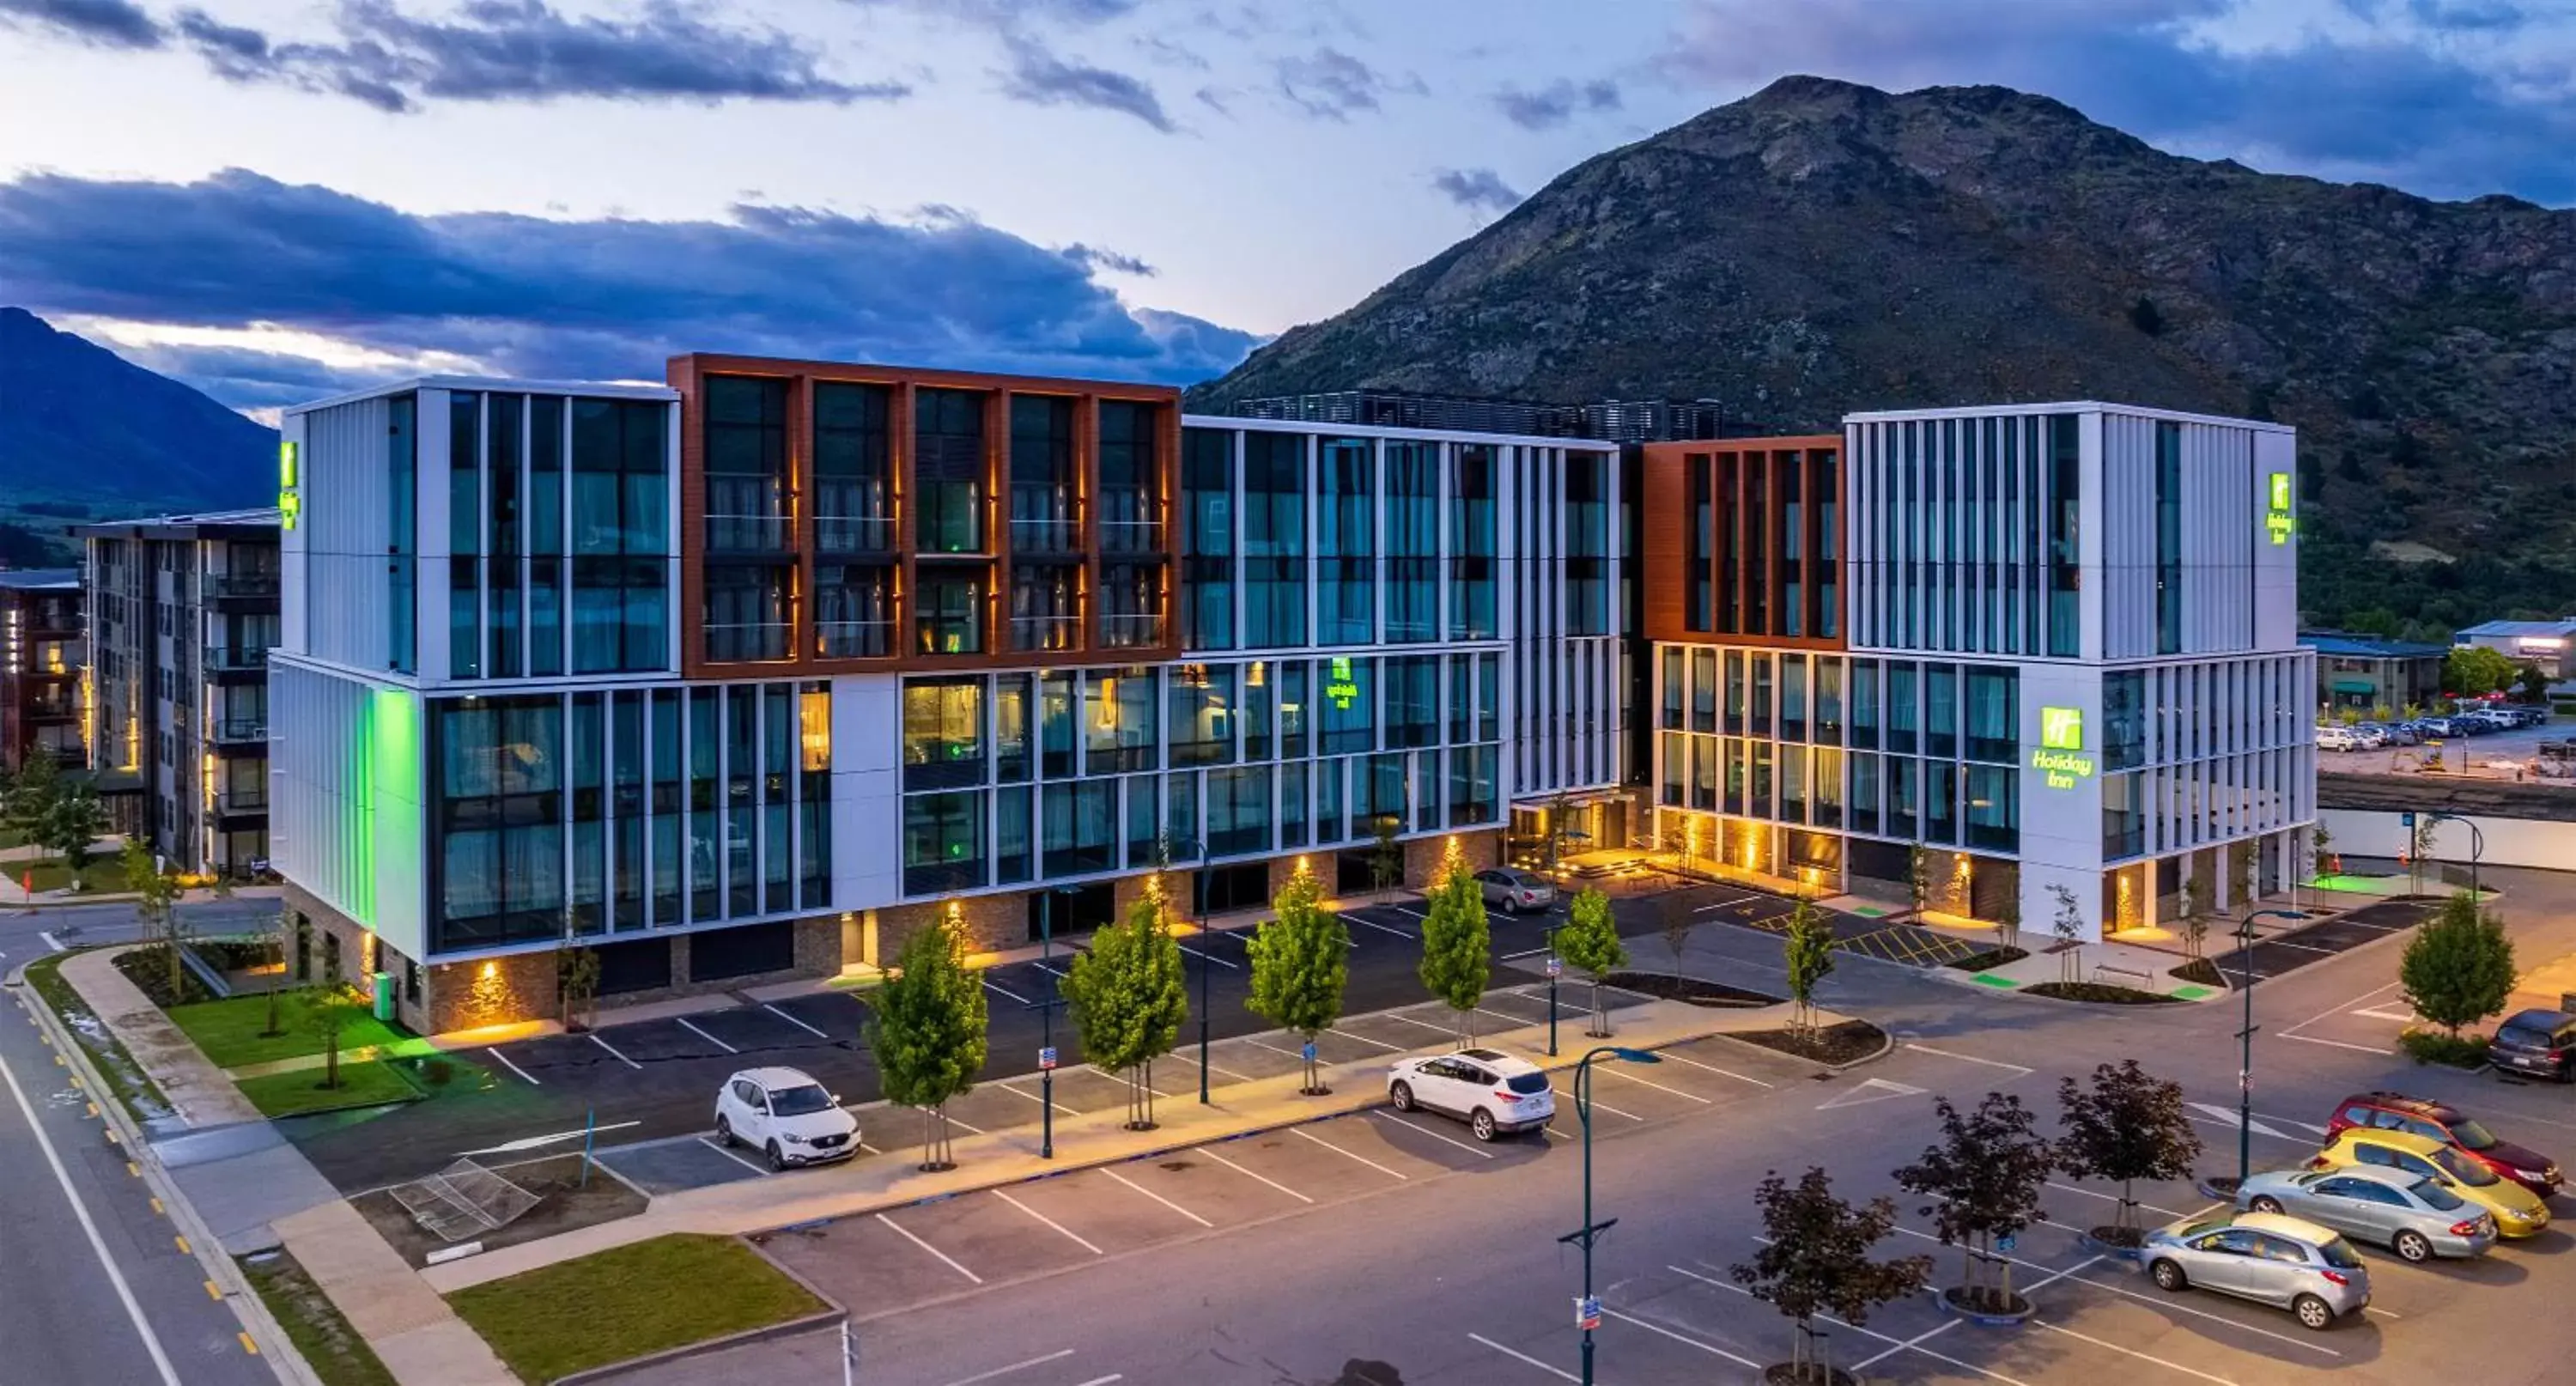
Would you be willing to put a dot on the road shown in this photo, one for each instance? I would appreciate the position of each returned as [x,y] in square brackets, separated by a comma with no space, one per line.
[1455,1275]
[96,1288]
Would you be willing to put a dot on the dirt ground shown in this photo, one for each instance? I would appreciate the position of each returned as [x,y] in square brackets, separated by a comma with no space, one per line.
[564,1203]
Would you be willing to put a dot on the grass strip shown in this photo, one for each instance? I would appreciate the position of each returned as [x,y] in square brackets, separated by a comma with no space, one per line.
[333,1349]
[228,1032]
[366,1084]
[647,1297]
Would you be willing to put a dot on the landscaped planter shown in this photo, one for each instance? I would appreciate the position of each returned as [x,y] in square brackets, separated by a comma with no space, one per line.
[1986,1307]
[2125,1243]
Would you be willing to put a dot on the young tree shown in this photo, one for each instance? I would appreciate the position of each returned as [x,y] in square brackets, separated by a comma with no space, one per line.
[274,936]
[1128,999]
[2321,860]
[2530,685]
[1918,879]
[1815,1259]
[1386,858]
[2195,913]
[75,820]
[2240,876]
[156,909]
[1982,1182]
[1589,943]
[2458,968]
[1301,960]
[927,1028]
[2008,917]
[31,795]
[1808,947]
[2069,928]
[334,1009]
[578,980]
[2130,1126]
[1457,949]
[1678,923]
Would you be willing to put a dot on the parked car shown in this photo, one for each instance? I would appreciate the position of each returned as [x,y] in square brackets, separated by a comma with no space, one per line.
[2536,1041]
[2413,1216]
[1491,1091]
[2395,1111]
[2518,1211]
[2370,735]
[1516,891]
[2270,1258]
[787,1116]
[2337,739]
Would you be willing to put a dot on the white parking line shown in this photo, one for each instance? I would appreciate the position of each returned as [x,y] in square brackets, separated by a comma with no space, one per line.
[514,1068]
[1275,1049]
[2165,1303]
[1266,1179]
[2303,947]
[944,1258]
[1190,1058]
[1434,1135]
[1408,909]
[1710,1348]
[1524,953]
[1060,1227]
[1112,1077]
[1427,1025]
[1103,1380]
[1363,1159]
[1205,956]
[962,1126]
[2338,1044]
[1965,1058]
[720,1150]
[1158,1198]
[815,1031]
[1033,1097]
[1669,1056]
[612,1051]
[1006,995]
[1617,1072]
[1558,1372]
[1382,1044]
[1901,1344]
[1381,928]
[52,944]
[1056,1356]
[2114,1198]
[2132,1352]
[2365,998]
[1050,970]
[1596,1104]
[1506,1015]
[692,1029]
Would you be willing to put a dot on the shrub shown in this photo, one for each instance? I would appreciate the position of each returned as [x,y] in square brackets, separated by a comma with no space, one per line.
[2434,1047]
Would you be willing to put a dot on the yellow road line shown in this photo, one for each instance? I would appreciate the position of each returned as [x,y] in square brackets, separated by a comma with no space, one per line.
[133,1170]
[157,1208]
[214,1292]
[183,1244]
[247,1345]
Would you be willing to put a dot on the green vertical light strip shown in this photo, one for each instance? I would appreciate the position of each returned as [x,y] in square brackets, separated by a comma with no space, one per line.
[358,829]
[393,799]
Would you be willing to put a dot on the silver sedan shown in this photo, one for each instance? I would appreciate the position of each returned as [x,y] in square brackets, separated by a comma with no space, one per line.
[2407,1213]
[2267,1257]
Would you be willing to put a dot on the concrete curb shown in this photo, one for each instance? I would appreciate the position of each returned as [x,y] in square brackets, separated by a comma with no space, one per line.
[1886,1045]
[245,1302]
[834,1313]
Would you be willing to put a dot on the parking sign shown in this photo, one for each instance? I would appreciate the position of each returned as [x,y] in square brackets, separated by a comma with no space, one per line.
[1046,1057]
[1587,1312]
[1307,1051]
[1555,966]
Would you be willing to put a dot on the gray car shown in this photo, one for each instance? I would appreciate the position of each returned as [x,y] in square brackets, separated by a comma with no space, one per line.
[1515,891]
[2407,1213]
[2271,1258]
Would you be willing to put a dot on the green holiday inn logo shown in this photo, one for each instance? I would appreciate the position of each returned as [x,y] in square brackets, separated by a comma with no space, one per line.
[2061,744]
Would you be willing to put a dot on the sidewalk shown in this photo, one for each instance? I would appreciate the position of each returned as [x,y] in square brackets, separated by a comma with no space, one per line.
[1011,1156]
[237,1174]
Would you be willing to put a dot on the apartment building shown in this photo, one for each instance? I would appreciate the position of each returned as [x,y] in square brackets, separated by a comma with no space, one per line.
[2054,647]
[746,677]
[42,656]
[184,611]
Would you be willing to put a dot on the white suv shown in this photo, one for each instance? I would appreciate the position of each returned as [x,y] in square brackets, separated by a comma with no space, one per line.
[1488,1089]
[2336,739]
[787,1115]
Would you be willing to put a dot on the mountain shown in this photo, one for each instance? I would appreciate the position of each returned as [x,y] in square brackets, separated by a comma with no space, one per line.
[1821,247]
[82,430]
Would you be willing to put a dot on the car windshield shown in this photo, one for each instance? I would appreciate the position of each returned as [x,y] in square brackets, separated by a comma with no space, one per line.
[2472,1136]
[2339,1253]
[804,1101]
[1527,1082]
[2469,1172]
[2525,1036]
[2435,1197]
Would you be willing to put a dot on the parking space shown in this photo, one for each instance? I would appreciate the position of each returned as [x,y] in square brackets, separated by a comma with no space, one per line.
[1866,935]
[681,1162]
[2288,952]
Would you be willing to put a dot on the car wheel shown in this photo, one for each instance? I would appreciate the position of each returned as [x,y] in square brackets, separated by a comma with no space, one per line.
[2313,1313]
[1402,1096]
[2411,1246]
[2265,1205]
[777,1158]
[2167,1276]
[724,1133]
[1482,1124]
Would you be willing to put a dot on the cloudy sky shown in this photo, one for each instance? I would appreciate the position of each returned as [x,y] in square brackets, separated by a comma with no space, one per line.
[275,198]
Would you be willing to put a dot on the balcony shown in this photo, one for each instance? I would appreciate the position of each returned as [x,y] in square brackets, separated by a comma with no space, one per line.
[235,659]
[853,534]
[734,644]
[750,534]
[241,585]
[1046,632]
[1132,538]
[236,730]
[854,639]
[238,802]
[1130,631]
[1046,538]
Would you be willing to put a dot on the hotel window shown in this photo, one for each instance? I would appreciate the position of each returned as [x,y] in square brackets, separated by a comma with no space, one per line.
[1994,715]
[1207,541]
[499,853]
[746,465]
[1119,734]
[1012,725]
[1826,779]
[1471,569]
[1131,487]
[1056,714]
[1734,693]
[1046,614]
[464,535]
[1727,515]
[1940,801]
[620,536]
[1670,663]
[1471,786]
[1349,694]
[2124,817]
[1941,711]
[1292,804]
[1698,589]
[1793,784]
[1755,525]
[1703,689]
[1727,757]
[943,733]
[1489,697]
[1763,755]
[1829,700]
[2065,546]
[1412,542]
[1864,792]
[1012,835]
[948,471]
[1994,818]
[1587,543]
[1761,699]
[1202,713]
[1274,540]
[1462,699]
[853,469]
[1413,700]
[2124,721]
[1345,539]
[706,749]
[1793,697]
[854,610]
[2168,537]
[1046,515]
[1329,823]
[1903,776]
[1902,706]
[948,614]
[749,611]
[546,576]
[1078,827]
[1180,840]
[943,842]
[1828,594]
[401,543]
[1296,711]
[1672,767]
[505,529]
[1238,811]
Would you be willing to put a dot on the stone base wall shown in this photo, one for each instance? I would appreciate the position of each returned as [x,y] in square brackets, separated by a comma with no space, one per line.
[992,923]
[1483,849]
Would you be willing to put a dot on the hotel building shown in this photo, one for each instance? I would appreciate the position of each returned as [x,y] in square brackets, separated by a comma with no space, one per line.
[42,661]
[2054,647]
[744,678]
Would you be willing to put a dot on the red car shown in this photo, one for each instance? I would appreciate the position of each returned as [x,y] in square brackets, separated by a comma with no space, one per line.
[2395,1111]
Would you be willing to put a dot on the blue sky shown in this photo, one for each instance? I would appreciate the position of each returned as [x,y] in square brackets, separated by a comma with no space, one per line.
[273,198]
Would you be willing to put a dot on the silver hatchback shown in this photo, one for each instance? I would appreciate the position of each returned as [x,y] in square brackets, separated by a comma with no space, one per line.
[1515,891]
[2407,1213]
[2272,1258]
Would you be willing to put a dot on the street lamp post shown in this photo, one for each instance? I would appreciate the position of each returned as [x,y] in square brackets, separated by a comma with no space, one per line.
[2245,1040]
[1198,906]
[1046,1024]
[1555,965]
[1591,1231]
[2477,845]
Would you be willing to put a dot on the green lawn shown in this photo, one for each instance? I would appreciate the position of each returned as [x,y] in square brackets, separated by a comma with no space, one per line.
[664,1293]
[321,1333]
[106,875]
[361,1084]
[229,1031]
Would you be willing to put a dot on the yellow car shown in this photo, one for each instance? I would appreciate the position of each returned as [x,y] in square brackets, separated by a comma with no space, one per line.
[2518,1211]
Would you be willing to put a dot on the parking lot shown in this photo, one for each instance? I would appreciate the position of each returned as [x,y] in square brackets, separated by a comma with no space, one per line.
[1868,935]
[899,1259]
[2518,747]
[696,1160]
[2314,943]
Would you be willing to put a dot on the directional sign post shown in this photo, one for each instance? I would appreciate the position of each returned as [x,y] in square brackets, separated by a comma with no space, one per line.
[1306,1051]
[1046,1059]
[1587,1312]
[2006,1243]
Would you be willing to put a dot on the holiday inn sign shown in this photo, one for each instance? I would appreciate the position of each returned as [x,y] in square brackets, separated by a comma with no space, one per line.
[2061,745]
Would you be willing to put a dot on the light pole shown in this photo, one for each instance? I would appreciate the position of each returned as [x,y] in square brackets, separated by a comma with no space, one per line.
[1046,1024]
[1591,1231]
[1198,906]
[1555,965]
[2477,845]
[2245,1040]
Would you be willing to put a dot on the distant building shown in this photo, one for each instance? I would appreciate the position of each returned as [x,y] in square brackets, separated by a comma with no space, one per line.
[184,611]
[2544,643]
[1608,421]
[2360,671]
[41,658]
